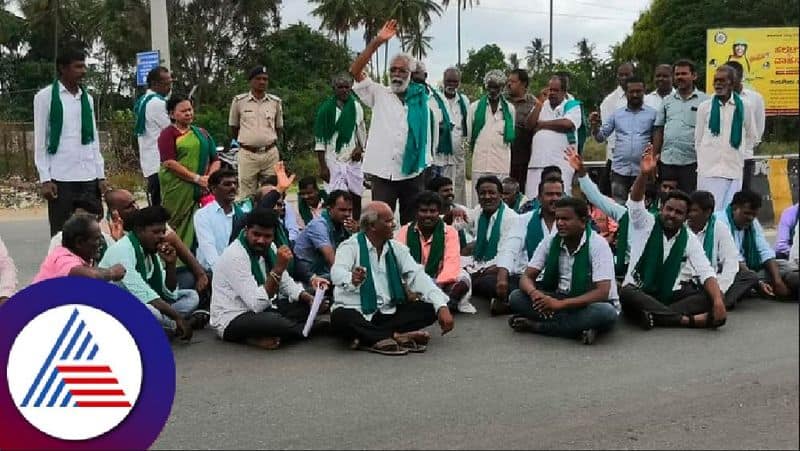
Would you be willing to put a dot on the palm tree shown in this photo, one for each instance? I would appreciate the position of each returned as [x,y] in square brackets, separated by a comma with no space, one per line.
[372,14]
[513,61]
[413,15]
[536,55]
[417,43]
[337,16]
[585,52]
[462,4]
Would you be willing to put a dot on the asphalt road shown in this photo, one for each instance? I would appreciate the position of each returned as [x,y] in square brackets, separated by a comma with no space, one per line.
[484,386]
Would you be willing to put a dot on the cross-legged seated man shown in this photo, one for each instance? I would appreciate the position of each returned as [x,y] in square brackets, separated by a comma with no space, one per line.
[370,304]
[755,253]
[718,245]
[150,272]
[666,260]
[315,248]
[254,300]
[491,223]
[435,245]
[576,295]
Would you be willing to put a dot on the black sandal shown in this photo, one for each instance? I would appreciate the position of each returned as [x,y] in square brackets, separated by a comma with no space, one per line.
[200,319]
[646,320]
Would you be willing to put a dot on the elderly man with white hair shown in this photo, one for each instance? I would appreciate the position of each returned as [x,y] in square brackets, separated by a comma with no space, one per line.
[444,151]
[490,127]
[401,135]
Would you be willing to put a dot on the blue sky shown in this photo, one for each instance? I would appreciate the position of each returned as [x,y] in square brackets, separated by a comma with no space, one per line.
[511,24]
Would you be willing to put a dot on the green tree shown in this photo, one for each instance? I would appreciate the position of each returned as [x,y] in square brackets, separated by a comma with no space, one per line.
[482,61]
[536,55]
[337,16]
[513,61]
[417,43]
[413,16]
[462,4]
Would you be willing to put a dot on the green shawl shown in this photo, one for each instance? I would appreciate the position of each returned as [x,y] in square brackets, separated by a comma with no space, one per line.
[621,251]
[418,115]
[56,121]
[752,258]
[708,239]
[462,106]
[305,210]
[255,267]
[445,127]
[486,250]
[534,234]
[657,275]
[580,267]
[369,297]
[326,124]
[139,110]
[156,279]
[715,119]
[517,202]
[437,247]
[480,120]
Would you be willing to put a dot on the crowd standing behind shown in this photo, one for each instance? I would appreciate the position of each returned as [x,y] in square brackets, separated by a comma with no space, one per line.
[223,247]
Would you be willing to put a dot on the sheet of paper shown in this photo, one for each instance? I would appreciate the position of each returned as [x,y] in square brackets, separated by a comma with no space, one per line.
[314,309]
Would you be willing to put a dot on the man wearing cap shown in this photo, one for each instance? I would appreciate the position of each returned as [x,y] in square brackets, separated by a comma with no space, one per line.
[256,120]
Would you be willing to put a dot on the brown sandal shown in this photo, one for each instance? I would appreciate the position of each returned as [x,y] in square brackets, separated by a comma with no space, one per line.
[387,346]
[408,343]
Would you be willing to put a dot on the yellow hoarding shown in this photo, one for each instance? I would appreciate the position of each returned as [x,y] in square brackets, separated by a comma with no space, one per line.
[770,60]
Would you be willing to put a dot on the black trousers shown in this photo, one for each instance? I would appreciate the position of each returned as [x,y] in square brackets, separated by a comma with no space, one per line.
[153,190]
[520,156]
[409,316]
[792,280]
[742,284]
[404,191]
[285,320]
[484,284]
[688,301]
[605,180]
[60,208]
[686,175]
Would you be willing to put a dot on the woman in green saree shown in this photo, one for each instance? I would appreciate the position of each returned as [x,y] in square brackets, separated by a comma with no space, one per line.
[188,157]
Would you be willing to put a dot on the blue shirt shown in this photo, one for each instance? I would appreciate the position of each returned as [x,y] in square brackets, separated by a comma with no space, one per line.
[765,251]
[633,129]
[212,227]
[678,117]
[313,238]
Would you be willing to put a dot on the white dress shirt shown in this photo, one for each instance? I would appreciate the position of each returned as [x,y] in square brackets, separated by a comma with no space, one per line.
[73,161]
[346,295]
[756,102]
[458,133]
[234,289]
[601,263]
[507,230]
[695,263]
[156,119]
[513,255]
[724,255]
[212,227]
[654,99]
[388,131]
[715,155]
[547,146]
[611,103]
[359,136]
[491,153]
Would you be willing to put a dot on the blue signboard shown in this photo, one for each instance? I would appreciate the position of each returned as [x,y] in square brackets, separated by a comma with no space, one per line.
[145,62]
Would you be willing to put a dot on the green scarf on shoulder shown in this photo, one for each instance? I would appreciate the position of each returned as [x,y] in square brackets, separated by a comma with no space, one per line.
[621,251]
[56,120]
[486,250]
[752,258]
[534,235]
[437,247]
[418,116]
[255,267]
[445,127]
[517,202]
[156,279]
[462,106]
[715,119]
[139,110]
[305,210]
[581,267]
[658,276]
[326,124]
[480,120]
[708,240]
[367,292]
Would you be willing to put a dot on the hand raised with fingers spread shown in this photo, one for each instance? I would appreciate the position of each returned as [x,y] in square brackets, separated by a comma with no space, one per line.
[284,181]
[575,161]
[649,160]
[388,30]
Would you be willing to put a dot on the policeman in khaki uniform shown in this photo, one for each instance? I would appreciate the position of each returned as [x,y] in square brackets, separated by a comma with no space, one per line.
[256,119]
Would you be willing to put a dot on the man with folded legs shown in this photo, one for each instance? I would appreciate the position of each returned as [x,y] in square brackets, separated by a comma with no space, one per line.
[370,303]
[666,260]
[435,245]
[576,295]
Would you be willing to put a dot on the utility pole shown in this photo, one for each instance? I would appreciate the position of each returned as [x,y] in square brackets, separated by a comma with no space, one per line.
[159,30]
[551,32]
